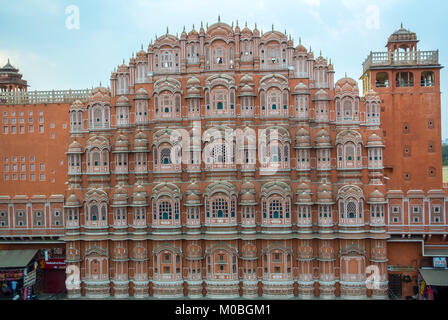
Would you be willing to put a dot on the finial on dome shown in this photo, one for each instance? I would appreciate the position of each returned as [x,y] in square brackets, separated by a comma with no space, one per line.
[272,27]
[285,32]
[201,24]
[100,84]
[402,25]
[207,26]
[219,18]
[177,35]
[232,24]
[346,74]
[142,46]
[245,24]
[237,22]
[167,30]
[255,25]
[184,29]
[320,54]
[300,40]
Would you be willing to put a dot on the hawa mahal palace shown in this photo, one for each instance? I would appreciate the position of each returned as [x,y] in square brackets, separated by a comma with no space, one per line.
[227,163]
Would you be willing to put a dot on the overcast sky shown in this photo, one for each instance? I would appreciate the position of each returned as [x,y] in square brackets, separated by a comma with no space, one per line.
[42,37]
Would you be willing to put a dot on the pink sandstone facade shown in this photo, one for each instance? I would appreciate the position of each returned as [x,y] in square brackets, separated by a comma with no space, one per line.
[228,163]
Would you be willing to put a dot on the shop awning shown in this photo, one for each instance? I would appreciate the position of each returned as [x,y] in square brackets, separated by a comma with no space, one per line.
[435,277]
[16,258]
[436,252]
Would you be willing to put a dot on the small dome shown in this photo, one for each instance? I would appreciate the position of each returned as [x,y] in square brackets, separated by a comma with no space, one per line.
[141,54]
[246,79]
[193,192]
[77,105]
[321,95]
[303,194]
[194,186]
[193,34]
[141,94]
[122,143]
[246,32]
[374,141]
[323,139]
[303,138]
[193,91]
[321,61]
[372,96]
[122,68]
[120,196]
[324,193]
[247,196]
[122,102]
[73,201]
[346,85]
[247,89]
[301,88]
[376,196]
[99,94]
[75,147]
[193,198]
[140,141]
[300,49]
[139,195]
[403,35]
[193,82]
[247,186]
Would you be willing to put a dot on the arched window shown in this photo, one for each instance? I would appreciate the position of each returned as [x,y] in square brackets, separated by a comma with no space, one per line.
[348,109]
[94,213]
[220,101]
[219,57]
[277,265]
[349,152]
[275,153]
[167,60]
[165,210]
[220,208]
[351,210]
[427,79]
[221,154]
[165,156]
[166,103]
[167,266]
[382,80]
[263,100]
[274,102]
[275,210]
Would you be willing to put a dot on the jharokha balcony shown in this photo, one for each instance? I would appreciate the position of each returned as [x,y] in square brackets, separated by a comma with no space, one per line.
[401,58]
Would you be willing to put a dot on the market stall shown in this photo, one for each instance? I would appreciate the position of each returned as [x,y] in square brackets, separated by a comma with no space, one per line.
[18,273]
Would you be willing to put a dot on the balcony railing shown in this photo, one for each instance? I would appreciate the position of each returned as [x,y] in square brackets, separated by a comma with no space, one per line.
[377,59]
[44,97]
